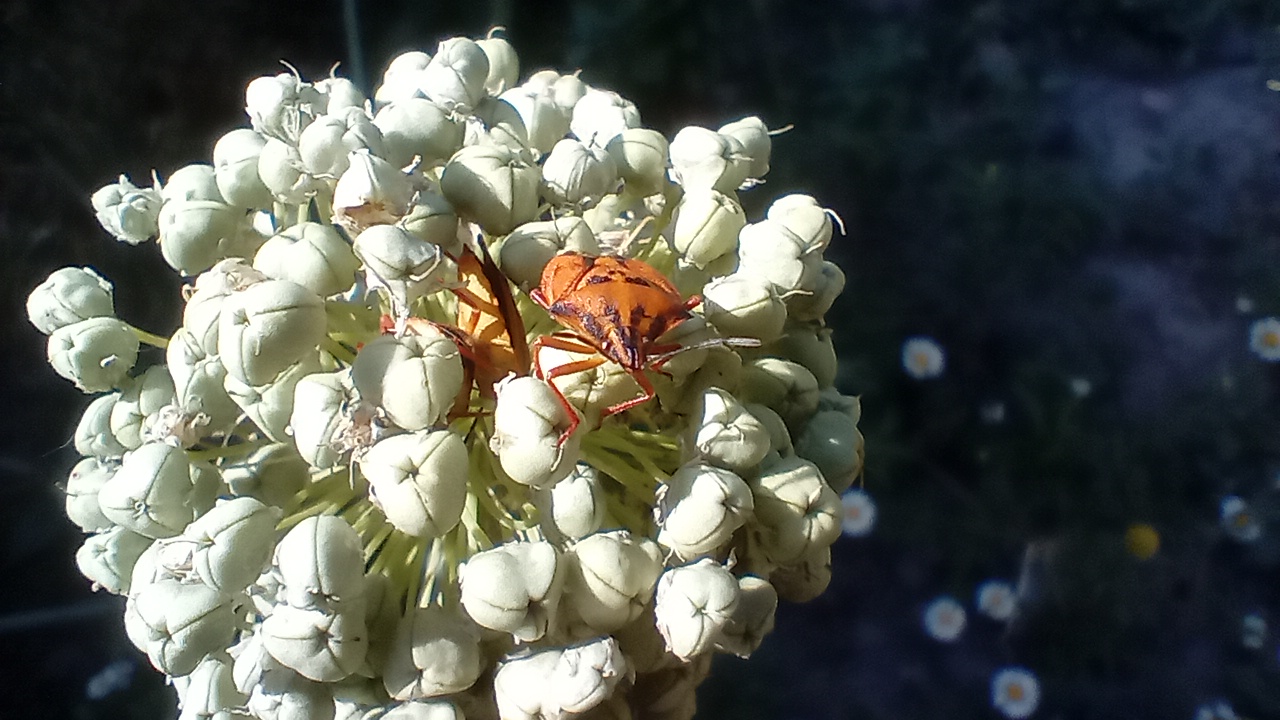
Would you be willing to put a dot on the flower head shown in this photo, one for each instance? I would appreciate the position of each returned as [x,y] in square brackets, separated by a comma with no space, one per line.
[945,619]
[1238,520]
[1015,692]
[923,358]
[859,513]
[996,599]
[1264,338]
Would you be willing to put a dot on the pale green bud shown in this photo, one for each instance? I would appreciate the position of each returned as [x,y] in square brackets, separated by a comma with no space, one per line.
[705,226]
[431,218]
[231,544]
[204,307]
[267,327]
[108,558]
[819,295]
[283,694]
[320,646]
[235,162]
[406,265]
[369,192]
[130,213]
[319,405]
[419,480]
[272,474]
[609,579]
[499,124]
[692,606]
[769,250]
[752,619]
[600,115]
[573,507]
[326,144]
[504,64]
[744,306]
[640,155]
[95,354]
[194,234]
[756,145]
[804,218]
[134,412]
[786,387]
[831,440]
[283,173]
[797,510]
[699,507]
[492,186]
[577,174]
[725,434]
[514,588]
[436,652]
[198,379]
[401,79]
[86,479]
[527,250]
[341,95]
[559,682]
[417,710]
[312,255]
[415,378]
[210,690]
[806,579]
[177,625]
[321,565]
[197,181]
[456,75]
[704,159]
[93,435]
[544,122]
[67,296]
[810,345]
[779,436]
[528,421]
[157,492]
[415,127]
[281,106]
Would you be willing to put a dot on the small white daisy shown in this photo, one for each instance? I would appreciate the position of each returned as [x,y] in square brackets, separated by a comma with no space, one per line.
[1264,338]
[923,358]
[996,599]
[1015,692]
[1217,710]
[1238,520]
[859,513]
[944,619]
[1253,631]
[1244,304]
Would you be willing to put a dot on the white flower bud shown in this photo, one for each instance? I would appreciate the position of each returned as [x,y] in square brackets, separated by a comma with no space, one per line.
[231,544]
[272,474]
[703,159]
[95,354]
[204,307]
[83,483]
[198,379]
[809,345]
[318,645]
[281,106]
[779,437]
[135,410]
[769,250]
[744,306]
[157,491]
[576,174]
[401,79]
[211,690]
[455,77]
[321,564]
[705,226]
[108,558]
[601,115]
[282,171]
[235,163]
[436,652]
[545,123]
[609,579]
[514,588]
[93,433]
[418,710]
[559,682]
[67,296]
[130,213]
[432,218]
[325,145]
[197,181]
[753,136]
[641,156]
[805,579]
[270,406]
[407,266]
[176,625]
[283,694]
[504,64]
[419,480]
[527,250]
[786,387]
[574,507]
[340,94]
[725,434]
[804,218]
[415,127]
[319,404]
[567,90]
[312,255]
[528,420]
[832,442]
[752,619]
[693,604]
[194,234]
[796,509]
[819,294]
[671,692]
[369,192]
[492,186]
[699,508]
[267,327]
[415,378]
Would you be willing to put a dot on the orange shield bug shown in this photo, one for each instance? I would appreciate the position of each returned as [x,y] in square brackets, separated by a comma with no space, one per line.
[614,306]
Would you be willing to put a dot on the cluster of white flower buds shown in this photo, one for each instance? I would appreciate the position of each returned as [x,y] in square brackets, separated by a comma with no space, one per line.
[345,491]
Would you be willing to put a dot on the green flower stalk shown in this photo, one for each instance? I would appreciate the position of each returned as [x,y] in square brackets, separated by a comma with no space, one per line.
[347,492]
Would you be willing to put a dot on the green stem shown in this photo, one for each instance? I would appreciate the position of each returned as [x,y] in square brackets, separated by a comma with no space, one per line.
[337,350]
[150,338]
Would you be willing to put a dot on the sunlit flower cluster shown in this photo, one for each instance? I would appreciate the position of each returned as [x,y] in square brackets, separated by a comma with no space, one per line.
[370,475]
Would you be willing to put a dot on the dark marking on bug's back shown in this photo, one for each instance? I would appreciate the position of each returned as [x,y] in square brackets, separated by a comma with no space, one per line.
[597,279]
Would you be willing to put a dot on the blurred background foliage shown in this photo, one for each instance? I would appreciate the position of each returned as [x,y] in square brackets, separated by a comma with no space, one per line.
[1078,199]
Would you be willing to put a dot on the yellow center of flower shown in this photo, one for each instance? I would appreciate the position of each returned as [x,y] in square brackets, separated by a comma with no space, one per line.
[1015,692]
[1142,541]
[1271,339]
